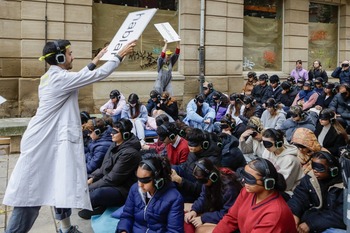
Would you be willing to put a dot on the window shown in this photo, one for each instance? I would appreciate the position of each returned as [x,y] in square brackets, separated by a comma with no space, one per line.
[107,19]
[323,34]
[160,4]
[262,45]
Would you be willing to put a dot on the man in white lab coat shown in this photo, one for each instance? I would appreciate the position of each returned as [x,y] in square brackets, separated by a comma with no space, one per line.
[51,169]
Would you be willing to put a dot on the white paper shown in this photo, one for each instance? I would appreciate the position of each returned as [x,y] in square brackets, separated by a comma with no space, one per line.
[2,99]
[167,32]
[131,29]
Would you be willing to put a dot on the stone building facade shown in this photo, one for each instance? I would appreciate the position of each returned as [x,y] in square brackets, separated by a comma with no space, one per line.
[25,25]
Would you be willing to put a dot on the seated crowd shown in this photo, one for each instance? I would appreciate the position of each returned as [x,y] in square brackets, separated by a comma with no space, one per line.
[264,160]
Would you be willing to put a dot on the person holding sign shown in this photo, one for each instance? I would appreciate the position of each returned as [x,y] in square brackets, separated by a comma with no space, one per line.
[165,64]
[51,168]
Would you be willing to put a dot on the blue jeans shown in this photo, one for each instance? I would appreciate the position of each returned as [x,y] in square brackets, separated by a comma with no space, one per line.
[334,230]
[23,218]
[106,197]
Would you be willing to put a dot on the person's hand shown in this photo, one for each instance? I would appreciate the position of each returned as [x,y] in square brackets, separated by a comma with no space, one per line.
[244,136]
[90,181]
[145,147]
[165,41]
[207,121]
[197,221]
[318,107]
[175,177]
[283,92]
[101,53]
[127,49]
[296,220]
[303,228]
[109,111]
[190,215]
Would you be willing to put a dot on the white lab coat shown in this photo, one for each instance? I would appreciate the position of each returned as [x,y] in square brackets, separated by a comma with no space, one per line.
[51,169]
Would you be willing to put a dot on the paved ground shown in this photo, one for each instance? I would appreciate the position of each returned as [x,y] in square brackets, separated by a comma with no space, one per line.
[46,222]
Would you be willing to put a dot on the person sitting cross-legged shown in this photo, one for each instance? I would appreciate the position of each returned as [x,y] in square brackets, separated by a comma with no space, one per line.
[109,185]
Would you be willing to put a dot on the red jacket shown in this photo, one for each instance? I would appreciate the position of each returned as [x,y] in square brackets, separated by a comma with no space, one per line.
[271,215]
[179,154]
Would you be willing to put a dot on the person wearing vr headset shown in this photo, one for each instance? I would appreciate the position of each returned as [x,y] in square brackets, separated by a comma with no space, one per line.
[298,119]
[208,90]
[250,142]
[153,204]
[250,84]
[306,142]
[201,144]
[287,95]
[317,203]
[136,112]
[51,169]
[167,105]
[274,89]
[219,192]
[114,105]
[329,132]
[176,147]
[165,63]
[236,107]
[259,207]
[158,146]
[307,97]
[199,114]
[250,109]
[109,185]
[101,139]
[317,71]
[259,90]
[342,72]
[341,105]
[229,126]
[154,98]
[284,157]
[220,105]
[273,116]
[318,84]
[299,71]
[326,97]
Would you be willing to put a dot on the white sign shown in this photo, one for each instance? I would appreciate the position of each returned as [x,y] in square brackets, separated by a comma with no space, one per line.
[130,30]
[2,99]
[167,32]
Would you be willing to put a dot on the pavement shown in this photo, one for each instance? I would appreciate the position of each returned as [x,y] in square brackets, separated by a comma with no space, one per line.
[45,223]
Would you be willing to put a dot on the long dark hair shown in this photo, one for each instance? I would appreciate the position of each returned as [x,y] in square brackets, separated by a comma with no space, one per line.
[134,98]
[214,192]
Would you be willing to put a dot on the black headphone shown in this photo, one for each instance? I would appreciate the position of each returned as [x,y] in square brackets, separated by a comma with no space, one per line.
[197,98]
[249,100]
[171,135]
[271,103]
[227,118]
[277,137]
[114,94]
[212,175]
[297,110]
[60,57]
[334,171]
[269,183]
[97,130]
[328,115]
[264,77]
[125,135]
[158,182]
[206,143]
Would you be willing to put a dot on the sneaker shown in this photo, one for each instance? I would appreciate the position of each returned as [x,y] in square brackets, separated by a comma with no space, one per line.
[86,214]
[72,229]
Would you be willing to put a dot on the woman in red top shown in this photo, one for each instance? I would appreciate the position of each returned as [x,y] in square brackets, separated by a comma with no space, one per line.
[260,206]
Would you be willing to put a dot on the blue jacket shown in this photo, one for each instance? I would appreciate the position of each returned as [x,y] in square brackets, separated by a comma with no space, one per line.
[163,213]
[289,126]
[231,156]
[320,206]
[229,194]
[341,107]
[344,76]
[220,111]
[97,149]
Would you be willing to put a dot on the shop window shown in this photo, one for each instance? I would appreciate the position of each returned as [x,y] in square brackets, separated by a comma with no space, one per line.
[323,34]
[161,4]
[107,19]
[262,44]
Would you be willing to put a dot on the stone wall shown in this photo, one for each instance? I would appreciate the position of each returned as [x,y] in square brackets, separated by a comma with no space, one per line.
[25,25]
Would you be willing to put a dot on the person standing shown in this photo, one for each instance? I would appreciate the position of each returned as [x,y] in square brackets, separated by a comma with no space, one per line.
[51,169]
[299,72]
[165,64]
